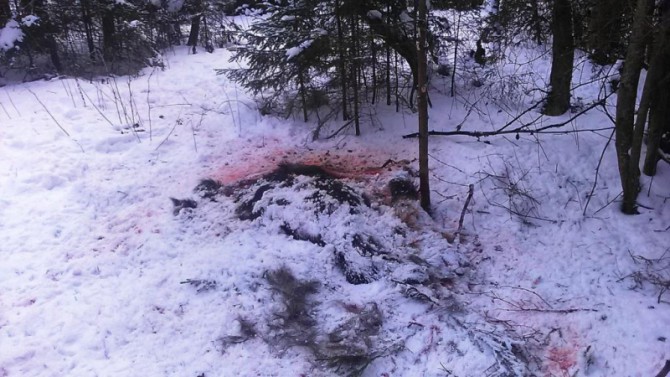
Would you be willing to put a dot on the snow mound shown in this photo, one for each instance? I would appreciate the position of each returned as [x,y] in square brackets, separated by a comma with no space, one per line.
[331,267]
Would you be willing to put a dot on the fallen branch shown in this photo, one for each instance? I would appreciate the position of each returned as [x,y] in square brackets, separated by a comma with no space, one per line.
[471,189]
[522,129]
[522,306]
[559,311]
[340,129]
[654,273]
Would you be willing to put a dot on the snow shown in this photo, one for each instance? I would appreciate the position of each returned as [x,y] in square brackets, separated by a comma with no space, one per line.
[295,51]
[100,277]
[30,20]
[10,34]
[374,14]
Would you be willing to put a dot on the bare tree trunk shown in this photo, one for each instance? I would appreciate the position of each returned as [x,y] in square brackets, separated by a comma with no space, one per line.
[195,32]
[354,73]
[303,93]
[109,35]
[659,122]
[397,83]
[341,65]
[658,77]
[453,72]
[629,170]
[422,99]
[388,76]
[88,26]
[537,24]
[563,54]
[52,46]
[373,47]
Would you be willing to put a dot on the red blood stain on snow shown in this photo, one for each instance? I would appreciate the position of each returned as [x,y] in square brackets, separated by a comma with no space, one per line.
[561,358]
[340,163]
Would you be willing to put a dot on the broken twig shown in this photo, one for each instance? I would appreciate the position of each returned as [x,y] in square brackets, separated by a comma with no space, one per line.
[471,189]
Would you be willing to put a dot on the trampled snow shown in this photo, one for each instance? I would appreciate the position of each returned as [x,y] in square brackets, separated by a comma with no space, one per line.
[101,278]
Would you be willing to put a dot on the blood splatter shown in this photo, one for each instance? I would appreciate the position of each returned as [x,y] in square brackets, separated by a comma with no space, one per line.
[338,163]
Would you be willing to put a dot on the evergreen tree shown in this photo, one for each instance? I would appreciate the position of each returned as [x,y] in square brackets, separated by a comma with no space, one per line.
[284,52]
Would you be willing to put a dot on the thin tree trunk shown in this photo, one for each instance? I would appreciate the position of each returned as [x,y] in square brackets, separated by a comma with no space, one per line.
[374,68]
[52,46]
[537,24]
[659,122]
[88,27]
[303,93]
[563,54]
[388,76]
[342,61]
[354,73]
[397,84]
[109,35]
[629,170]
[453,73]
[658,77]
[175,32]
[422,99]
[195,32]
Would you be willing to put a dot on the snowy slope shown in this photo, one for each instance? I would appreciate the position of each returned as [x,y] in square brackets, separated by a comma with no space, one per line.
[101,278]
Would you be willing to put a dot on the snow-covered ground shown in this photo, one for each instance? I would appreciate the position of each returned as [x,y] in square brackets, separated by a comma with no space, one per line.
[102,276]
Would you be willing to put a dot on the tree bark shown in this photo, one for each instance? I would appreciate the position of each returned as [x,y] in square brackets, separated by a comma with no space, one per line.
[388,76]
[373,49]
[563,54]
[303,93]
[355,76]
[537,23]
[195,25]
[88,26]
[629,170]
[109,34]
[341,63]
[658,78]
[195,32]
[422,98]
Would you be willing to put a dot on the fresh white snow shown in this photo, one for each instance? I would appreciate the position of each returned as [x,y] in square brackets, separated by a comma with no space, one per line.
[100,278]
[10,34]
